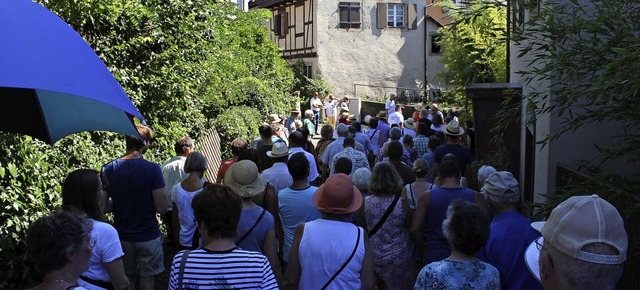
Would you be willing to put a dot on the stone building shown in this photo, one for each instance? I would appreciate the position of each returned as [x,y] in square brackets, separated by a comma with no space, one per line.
[363,48]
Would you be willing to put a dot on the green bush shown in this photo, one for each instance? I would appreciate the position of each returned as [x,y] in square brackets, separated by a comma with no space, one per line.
[187,66]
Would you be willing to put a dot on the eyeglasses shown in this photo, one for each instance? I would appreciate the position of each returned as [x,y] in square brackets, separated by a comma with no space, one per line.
[539,243]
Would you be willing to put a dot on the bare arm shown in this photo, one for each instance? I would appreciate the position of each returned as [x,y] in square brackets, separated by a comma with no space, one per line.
[160,200]
[105,202]
[419,218]
[367,274]
[272,208]
[271,252]
[292,276]
[115,269]
[408,215]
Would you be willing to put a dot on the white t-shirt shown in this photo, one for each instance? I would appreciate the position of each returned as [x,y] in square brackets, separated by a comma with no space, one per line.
[390,106]
[331,108]
[188,226]
[106,250]
[317,102]
[396,118]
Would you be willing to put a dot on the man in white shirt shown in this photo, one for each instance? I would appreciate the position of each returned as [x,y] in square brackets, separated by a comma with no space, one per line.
[390,106]
[396,117]
[330,107]
[296,141]
[278,173]
[173,173]
[316,105]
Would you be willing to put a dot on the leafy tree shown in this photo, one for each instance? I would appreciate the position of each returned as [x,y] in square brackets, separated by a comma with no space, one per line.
[588,52]
[187,66]
[307,86]
[474,46]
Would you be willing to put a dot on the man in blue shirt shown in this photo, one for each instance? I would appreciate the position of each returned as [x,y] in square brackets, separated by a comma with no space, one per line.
[511,233]
[136,188]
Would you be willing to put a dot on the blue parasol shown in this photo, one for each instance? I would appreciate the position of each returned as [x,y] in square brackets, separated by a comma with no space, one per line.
[52,84]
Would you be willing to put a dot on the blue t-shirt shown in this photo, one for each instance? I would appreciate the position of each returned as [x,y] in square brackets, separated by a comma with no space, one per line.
[454,275]
[511,233]
[131,182]
[295,207]
[255,240]
[462,153]
[439,200]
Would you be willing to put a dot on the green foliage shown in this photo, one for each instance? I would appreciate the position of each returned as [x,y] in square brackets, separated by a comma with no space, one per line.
[187,66]
[474,47]
[586,53]
[589,55]
[307,86]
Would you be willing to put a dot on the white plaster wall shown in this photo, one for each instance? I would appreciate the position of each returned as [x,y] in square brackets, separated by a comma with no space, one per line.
[390,57]
[572,146]
[544,173]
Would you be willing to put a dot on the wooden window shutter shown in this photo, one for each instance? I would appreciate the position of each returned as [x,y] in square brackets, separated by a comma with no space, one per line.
[412,12]
[382,15]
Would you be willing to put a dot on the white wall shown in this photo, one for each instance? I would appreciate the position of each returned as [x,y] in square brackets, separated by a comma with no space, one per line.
[390,57]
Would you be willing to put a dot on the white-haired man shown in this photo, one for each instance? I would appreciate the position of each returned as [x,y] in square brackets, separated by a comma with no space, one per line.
[583,246]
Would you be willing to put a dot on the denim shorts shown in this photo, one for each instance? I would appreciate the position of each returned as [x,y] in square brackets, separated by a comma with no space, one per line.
[143,258]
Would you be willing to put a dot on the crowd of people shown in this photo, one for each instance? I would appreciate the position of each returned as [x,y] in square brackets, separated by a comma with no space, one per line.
[388,207]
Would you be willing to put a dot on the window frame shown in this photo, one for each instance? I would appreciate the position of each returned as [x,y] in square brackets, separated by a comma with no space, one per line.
[352,8]
[397,7]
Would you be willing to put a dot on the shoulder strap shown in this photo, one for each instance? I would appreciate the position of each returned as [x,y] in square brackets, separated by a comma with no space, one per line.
[71,287]
[253,227]
[374,133]
[384,217]
[410,193]
[345,263]
[183,262]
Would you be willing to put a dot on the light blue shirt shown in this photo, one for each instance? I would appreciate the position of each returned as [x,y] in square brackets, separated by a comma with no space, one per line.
[295,206]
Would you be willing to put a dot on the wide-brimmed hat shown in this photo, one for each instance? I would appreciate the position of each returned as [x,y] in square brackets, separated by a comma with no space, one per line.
[352,117]
[454,129]
[382,115]
[279,149]
[418,106]
[577,222]
[338,195]
[245,180]
[408,123]
[274,118]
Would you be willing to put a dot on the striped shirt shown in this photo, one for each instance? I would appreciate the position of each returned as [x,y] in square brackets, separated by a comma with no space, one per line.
[232,269]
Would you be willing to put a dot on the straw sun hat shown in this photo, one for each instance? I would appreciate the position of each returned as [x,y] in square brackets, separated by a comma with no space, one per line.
[244,179]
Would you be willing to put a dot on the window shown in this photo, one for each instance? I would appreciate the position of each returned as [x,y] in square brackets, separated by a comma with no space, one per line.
[395,15]
[308,71]
[435,47]
[280,24]
[349,14]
